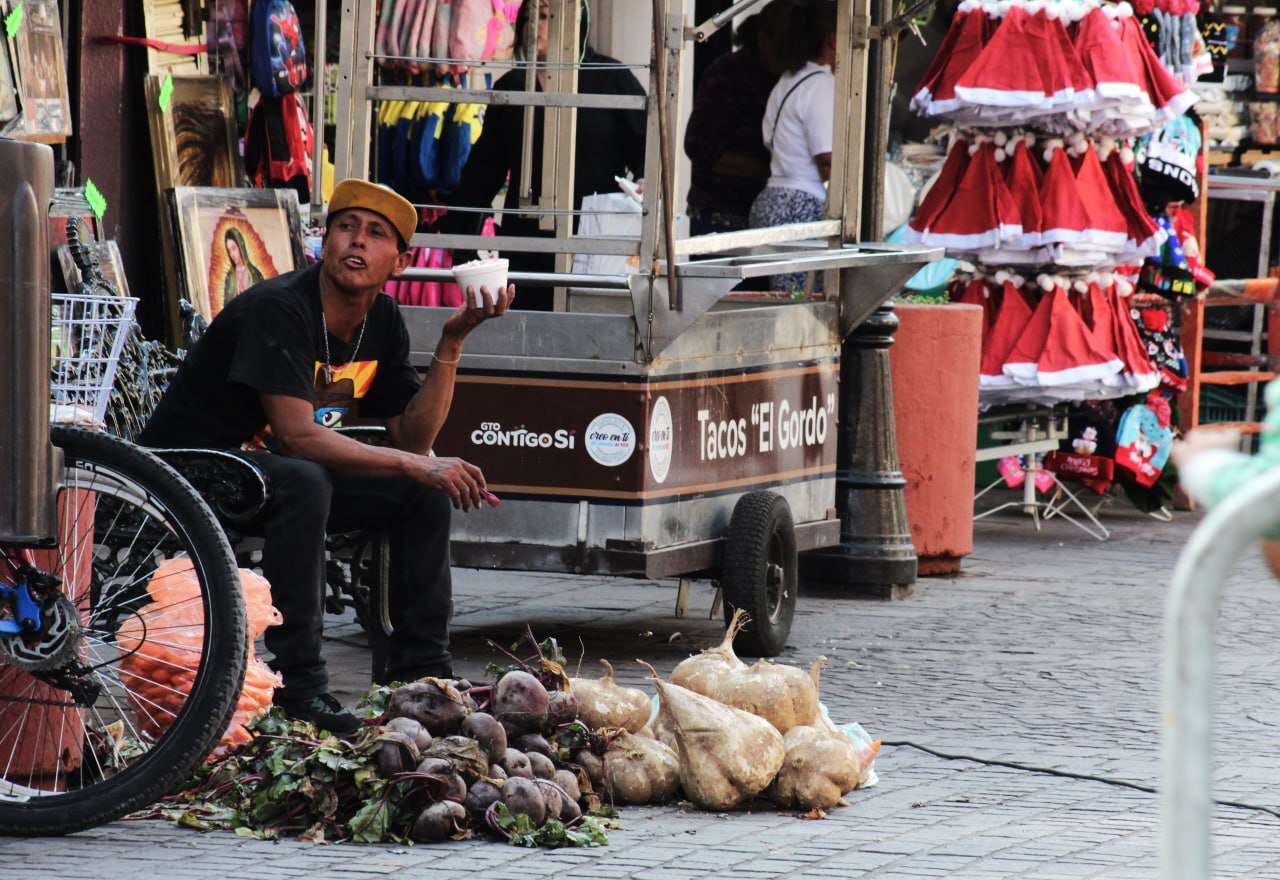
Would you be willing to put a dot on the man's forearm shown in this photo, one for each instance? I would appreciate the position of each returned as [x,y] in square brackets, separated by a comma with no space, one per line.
[424,416]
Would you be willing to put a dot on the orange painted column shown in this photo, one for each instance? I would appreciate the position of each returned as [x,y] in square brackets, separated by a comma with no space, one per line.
[934,363]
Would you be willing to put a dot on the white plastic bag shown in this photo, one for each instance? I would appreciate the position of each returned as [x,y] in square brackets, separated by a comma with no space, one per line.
[608,215]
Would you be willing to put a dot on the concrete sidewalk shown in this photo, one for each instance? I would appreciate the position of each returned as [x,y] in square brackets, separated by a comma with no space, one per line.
[1044,652]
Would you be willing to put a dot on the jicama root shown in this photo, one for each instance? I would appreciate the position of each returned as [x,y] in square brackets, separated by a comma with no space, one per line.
[727,756]
[784,696]
[639,771]
[821,765]
[703,672]
[601,703]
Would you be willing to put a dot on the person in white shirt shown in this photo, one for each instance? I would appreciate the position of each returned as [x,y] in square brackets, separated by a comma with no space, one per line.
[798,123]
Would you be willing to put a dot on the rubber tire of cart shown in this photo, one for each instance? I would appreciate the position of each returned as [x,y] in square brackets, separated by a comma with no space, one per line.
[760,572]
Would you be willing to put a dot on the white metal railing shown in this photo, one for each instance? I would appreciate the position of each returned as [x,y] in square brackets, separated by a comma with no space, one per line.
[1187,671]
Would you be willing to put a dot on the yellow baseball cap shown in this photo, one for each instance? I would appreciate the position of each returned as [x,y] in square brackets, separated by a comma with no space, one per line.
[398,210]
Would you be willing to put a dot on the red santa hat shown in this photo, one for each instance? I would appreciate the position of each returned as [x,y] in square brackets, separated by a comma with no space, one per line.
[1108,227]
[1169,95]
[1012,316]
[1023,177]
[1145,237]
[981,213]
[940,192]
[1023,360]
[1069,355]
[1109,63]
[962,45]
[1141,373]
[1064,215]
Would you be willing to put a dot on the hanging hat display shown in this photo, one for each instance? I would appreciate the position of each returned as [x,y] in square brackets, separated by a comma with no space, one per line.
[1012,317]
[1069,355]
[981,213]
[936,94]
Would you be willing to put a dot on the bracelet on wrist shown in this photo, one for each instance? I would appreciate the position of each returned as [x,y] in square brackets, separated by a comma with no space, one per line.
[452,363]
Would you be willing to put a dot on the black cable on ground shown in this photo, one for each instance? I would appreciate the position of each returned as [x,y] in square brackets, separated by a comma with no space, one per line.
[1066,774]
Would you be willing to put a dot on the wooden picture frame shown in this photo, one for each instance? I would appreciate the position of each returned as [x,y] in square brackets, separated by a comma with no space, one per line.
[193,137]
[230,239]
[10,95]
[110,264]
[41,71]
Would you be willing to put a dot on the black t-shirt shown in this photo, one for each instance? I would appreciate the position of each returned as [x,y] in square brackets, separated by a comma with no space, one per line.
[269,340]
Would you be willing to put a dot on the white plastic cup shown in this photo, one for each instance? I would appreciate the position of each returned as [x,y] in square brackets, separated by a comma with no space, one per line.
[489,274]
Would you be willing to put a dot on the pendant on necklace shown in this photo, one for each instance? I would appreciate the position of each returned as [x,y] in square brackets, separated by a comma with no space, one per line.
[327,372]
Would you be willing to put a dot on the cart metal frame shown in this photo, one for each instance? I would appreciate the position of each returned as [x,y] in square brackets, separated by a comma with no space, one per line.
[664,336]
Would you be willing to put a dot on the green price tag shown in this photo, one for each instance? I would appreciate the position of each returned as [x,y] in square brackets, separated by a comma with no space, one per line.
[166,92]
[13,21]
[95,198]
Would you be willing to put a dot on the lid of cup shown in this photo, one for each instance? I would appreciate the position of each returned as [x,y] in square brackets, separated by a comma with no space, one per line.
[1264,11]
[1233,10]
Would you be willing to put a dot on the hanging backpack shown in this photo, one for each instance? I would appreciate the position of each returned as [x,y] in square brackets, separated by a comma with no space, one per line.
[277,145]
[278,58]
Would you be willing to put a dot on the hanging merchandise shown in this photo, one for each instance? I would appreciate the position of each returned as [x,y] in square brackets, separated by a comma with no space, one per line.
[229,30]
[1144,439]
[994,203]
[444,36]
[1057,339]
[278,58]
[424,145]
[1061,66]
[278,145]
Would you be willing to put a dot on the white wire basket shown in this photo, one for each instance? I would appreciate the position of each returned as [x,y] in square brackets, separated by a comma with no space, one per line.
[89,332]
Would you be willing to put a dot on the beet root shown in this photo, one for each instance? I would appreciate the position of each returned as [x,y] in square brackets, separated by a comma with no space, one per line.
[516,764]
[523,798]
[414,730]
[542,766]
[485,730]
[533,742]
[562,708]
[433,702]
[481,794]
[439,822]
[520,702]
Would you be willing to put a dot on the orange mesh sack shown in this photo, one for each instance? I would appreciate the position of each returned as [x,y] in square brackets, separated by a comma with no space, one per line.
[163,641]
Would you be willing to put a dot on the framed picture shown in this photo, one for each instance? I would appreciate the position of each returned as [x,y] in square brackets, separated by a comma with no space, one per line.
[42,71]
[10,99]
[193,138]
[231,239]
[107,255]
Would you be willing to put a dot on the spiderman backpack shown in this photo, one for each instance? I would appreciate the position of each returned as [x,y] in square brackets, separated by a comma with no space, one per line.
[278,59]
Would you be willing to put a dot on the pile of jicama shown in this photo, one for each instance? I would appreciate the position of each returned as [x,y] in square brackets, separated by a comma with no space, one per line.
[539,758]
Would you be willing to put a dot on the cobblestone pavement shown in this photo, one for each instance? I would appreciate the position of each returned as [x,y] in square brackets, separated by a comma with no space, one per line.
[1043,652]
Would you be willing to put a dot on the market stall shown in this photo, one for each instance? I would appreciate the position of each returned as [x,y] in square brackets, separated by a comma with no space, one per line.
[670,431]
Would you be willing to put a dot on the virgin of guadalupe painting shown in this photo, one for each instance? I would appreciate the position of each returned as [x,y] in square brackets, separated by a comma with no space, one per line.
[232,239]
[238,259]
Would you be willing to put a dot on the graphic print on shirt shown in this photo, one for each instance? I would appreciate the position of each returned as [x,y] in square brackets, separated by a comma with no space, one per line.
[332,400]
[350,383]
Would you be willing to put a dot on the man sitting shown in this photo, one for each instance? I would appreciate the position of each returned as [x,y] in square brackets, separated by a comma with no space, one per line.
[278,367]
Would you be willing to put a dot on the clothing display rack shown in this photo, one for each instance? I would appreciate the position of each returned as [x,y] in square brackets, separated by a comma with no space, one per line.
[1040,429]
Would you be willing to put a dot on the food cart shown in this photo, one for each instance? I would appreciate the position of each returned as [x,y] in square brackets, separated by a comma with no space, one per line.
[652,426]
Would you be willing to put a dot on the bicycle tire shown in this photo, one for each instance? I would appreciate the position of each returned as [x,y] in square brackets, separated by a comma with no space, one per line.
[142,735]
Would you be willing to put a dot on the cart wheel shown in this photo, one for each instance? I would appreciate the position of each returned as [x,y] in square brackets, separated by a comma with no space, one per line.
[759,574]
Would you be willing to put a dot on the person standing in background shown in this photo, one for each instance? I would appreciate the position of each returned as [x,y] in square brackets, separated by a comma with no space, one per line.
[798,123]
[730,163]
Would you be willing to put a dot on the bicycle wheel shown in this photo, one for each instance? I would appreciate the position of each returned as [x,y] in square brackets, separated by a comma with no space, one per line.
[134,671]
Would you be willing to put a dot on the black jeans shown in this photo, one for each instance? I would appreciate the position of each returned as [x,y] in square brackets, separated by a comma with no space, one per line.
[306,502]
